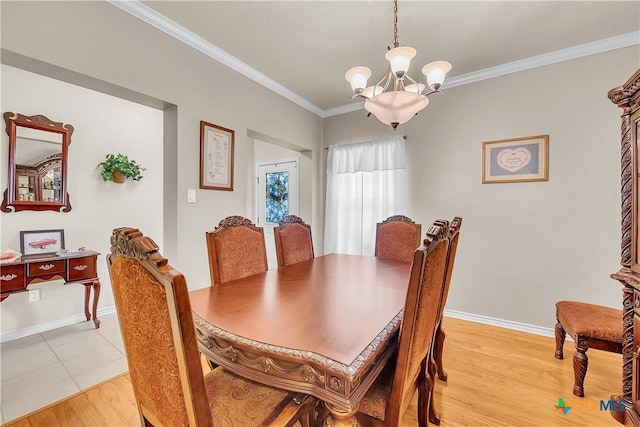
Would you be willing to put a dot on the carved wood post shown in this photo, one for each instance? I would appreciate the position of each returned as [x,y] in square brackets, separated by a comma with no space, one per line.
[622,97]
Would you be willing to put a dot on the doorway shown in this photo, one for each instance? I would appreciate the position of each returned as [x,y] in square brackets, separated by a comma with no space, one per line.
[277,194]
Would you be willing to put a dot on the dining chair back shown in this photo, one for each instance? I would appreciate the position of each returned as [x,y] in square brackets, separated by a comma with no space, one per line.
[397,237]
[390,395]
[156,322]
[236,249]
[293,241]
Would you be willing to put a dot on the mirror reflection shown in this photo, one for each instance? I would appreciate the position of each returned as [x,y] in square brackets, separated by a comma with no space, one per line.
[38,165]
[37,172]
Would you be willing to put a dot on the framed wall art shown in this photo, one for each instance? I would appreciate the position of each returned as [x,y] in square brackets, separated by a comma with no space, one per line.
[516,160]
[41,242]
[216,157]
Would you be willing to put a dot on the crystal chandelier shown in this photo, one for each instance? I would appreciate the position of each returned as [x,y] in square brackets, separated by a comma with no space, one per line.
[396,98]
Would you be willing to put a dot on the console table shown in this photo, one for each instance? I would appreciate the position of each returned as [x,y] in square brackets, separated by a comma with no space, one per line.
[75,267]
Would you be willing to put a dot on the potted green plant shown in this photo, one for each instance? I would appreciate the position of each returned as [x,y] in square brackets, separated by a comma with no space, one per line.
[118,167]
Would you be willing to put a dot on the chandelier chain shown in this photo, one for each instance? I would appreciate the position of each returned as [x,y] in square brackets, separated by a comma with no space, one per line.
[395,24]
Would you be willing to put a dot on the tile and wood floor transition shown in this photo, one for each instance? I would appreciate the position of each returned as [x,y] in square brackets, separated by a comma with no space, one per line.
[44,368]
[497,377]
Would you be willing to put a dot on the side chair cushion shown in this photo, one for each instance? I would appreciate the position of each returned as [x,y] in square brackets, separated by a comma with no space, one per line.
[239,402]
[240,252]
[374,403]
[397,240]
[296,243]
[590,320]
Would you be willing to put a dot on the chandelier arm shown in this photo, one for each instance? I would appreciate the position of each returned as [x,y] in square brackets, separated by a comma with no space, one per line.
[434,91]
[388,78]
[407,76]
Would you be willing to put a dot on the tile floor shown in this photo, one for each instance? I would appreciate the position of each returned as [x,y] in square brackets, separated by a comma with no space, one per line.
[41,369]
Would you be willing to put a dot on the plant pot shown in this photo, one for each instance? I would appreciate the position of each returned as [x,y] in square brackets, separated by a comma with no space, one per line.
[118,177]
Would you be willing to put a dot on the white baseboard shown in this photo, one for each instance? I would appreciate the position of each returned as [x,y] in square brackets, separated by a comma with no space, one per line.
[47,326]
[502,323]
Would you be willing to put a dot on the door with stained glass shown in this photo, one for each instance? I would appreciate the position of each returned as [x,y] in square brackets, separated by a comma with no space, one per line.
[276,197]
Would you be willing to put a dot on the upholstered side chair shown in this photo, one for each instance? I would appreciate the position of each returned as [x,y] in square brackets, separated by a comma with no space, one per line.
[454,233]
[236,249]
[397,237]
[154,311]
[590,326]
[387,400]
[293,241]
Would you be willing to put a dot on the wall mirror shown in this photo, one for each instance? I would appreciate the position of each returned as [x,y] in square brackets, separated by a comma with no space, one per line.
[38,163]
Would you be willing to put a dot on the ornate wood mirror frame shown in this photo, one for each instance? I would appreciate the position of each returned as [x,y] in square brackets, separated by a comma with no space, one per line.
[37,179]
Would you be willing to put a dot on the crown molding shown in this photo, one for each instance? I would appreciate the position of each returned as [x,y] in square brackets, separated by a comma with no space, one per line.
[599,46]
[145,13]
[141,11]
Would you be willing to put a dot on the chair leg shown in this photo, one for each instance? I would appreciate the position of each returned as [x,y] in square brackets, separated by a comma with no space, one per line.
[580,362]
[320,413]
[431,367]
[560,336]
[425,395]
[439,346]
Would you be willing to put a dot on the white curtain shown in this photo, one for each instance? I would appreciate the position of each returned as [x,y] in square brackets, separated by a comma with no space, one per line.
[366,183]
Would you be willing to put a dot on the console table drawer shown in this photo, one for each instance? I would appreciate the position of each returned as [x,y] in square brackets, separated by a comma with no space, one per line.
[12,278]
[82,268]
[45,268]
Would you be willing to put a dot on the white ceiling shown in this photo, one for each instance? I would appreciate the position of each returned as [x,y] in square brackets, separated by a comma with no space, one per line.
[302,49]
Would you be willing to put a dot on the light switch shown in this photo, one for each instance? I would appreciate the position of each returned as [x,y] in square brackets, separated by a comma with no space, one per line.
[191,195]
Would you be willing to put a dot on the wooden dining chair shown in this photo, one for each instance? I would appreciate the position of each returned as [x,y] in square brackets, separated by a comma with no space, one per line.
[397,237]
[454,234]
[236,249]
[156,321]
[387,400]
[293,241]
[435,365]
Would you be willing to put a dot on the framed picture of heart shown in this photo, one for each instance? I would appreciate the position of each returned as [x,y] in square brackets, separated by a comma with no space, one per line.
[516,160]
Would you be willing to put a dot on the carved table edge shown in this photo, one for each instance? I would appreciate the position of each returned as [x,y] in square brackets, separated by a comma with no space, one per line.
[350,371]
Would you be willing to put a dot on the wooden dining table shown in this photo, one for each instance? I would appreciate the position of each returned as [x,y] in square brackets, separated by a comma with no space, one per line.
[324,327]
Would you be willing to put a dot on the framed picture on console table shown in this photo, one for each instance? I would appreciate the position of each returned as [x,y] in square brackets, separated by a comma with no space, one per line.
[216,157]
[516,160]
[41,242]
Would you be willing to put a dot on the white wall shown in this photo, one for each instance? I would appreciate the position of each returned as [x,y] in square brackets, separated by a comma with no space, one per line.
[102,124]
[523,246]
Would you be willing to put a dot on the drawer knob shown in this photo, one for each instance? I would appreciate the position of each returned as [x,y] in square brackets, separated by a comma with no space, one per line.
[638,302]
[80,267]
[46,267]
[8,277]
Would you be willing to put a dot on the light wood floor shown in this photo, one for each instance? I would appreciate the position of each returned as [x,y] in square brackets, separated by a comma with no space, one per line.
[497,377]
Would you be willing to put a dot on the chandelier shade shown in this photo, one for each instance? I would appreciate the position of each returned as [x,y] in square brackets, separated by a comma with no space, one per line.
[396,107]
[399,59]
[396,97]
